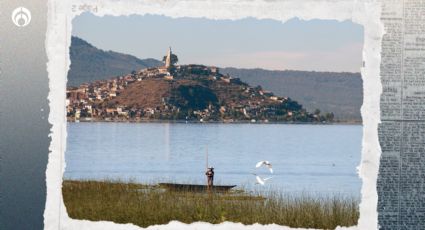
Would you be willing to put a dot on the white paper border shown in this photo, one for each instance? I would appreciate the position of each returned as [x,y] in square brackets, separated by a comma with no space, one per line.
[60,15]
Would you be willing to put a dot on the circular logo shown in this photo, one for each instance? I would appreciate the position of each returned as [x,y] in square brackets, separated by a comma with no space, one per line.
[21,16]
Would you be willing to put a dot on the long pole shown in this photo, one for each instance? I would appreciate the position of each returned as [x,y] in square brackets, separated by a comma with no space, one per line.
[208,176]
[207,157]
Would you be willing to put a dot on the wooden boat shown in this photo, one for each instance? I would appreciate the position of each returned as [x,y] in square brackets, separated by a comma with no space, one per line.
[195,187]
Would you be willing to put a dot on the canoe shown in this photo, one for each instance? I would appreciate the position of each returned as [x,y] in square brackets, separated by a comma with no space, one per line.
[195,187]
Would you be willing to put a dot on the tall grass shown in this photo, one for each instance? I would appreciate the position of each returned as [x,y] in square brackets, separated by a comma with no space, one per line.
[146,205]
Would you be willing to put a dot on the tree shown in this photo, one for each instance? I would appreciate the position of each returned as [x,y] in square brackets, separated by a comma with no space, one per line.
[174,59]
[329,116]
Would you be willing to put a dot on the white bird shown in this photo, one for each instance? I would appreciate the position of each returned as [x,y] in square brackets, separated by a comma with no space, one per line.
[266,163]
[260,180]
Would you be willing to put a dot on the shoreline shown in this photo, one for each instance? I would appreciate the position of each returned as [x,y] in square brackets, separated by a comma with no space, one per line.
[214,122]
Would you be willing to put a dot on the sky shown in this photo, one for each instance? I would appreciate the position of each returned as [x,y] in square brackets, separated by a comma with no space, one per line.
[315,45]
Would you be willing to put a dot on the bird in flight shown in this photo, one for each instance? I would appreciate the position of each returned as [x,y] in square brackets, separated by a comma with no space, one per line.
[260,180]
[265,163]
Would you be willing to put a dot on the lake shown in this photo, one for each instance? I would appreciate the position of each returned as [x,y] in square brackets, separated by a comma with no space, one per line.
[319,159]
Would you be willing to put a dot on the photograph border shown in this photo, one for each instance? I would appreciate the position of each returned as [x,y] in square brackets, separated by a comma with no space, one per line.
[58,39]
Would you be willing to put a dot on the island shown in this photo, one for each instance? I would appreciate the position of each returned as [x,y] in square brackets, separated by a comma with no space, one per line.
[182,93]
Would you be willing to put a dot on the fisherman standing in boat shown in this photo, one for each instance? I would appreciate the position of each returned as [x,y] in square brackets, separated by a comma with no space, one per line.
[210,177]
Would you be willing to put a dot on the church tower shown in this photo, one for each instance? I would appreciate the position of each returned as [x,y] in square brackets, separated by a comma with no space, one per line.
[168,63]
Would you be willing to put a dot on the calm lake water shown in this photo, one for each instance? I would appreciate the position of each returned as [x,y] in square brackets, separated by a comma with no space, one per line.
[319,159]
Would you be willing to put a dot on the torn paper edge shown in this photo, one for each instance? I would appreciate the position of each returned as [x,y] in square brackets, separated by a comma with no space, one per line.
[60,14]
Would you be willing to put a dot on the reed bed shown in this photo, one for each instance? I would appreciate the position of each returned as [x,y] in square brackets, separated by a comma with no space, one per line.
[146,205]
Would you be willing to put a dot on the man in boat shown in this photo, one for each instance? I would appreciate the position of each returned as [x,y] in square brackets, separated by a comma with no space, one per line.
[210,176]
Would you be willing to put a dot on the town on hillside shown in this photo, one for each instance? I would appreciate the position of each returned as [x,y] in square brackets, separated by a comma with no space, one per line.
[182,93]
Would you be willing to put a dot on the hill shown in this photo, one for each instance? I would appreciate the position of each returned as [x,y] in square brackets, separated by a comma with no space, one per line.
[89,63]
[340,93]
[184,92]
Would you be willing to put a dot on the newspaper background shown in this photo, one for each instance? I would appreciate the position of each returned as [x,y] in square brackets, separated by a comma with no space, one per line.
[400,182]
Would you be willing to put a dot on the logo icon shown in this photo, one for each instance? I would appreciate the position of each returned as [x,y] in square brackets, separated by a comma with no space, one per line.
[21,16]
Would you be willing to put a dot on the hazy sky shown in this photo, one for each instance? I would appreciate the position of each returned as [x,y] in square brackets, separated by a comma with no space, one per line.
[320,45]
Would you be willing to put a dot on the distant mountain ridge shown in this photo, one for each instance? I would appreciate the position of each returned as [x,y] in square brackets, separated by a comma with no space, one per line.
[337,92]
[89,63]
[340,93]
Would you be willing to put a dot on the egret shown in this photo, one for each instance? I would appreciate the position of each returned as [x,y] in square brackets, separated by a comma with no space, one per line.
[260,180]
[266,163]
